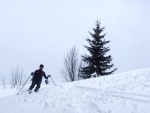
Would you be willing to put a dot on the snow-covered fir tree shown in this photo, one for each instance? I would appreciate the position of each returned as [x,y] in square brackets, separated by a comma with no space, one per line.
[97,63]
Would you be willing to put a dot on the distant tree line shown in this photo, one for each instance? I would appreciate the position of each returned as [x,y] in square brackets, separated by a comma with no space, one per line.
[15,79]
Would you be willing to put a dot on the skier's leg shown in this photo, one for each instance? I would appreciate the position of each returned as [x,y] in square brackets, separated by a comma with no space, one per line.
[32,85]
[38,86]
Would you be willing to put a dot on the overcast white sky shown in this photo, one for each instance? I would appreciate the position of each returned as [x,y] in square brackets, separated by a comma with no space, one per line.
[42,31]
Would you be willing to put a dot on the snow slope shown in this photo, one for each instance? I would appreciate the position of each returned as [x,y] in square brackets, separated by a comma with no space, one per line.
[127,92]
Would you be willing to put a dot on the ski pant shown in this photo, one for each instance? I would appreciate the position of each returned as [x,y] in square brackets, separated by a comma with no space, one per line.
[35,82]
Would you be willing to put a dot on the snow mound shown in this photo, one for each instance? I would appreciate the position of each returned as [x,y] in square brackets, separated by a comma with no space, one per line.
[127,92]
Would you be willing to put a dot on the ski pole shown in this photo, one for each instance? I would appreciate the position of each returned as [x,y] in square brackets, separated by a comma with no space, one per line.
[53,82]
[23,85]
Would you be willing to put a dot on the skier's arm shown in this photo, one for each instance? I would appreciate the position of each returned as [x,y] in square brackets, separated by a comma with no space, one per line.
[45,76]
[33,74]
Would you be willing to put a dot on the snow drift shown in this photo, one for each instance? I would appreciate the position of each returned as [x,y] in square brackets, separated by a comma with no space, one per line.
[127,92]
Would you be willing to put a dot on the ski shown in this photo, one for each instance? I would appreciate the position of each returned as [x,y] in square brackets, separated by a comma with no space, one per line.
[30,92]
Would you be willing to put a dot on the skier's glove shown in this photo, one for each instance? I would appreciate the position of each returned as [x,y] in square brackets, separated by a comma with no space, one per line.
[46,81]
[32,74]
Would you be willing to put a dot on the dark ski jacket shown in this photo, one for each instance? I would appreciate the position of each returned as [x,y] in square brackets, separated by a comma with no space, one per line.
[38,74]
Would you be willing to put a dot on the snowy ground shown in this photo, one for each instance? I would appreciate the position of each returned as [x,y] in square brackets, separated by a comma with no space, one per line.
[127,92]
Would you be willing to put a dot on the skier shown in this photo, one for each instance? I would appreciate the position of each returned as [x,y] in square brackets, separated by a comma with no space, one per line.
[37,78]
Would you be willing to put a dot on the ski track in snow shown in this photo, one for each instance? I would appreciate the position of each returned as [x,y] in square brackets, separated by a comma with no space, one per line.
[127,92]
[127,96]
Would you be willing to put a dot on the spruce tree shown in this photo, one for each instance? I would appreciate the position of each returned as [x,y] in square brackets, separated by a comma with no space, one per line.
[97,63]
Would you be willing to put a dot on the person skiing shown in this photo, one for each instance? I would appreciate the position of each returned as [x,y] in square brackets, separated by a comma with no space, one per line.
[37,78]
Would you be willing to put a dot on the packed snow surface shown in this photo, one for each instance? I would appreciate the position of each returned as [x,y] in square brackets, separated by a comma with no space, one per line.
[127,92]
